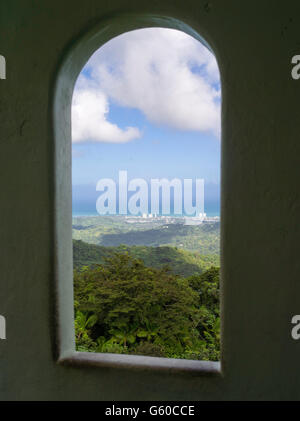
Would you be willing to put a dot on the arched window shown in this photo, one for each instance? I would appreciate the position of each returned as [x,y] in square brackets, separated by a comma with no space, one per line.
[148,87]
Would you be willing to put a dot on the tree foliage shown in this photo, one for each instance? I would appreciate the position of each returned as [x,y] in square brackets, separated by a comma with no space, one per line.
[124,306]
[183,262]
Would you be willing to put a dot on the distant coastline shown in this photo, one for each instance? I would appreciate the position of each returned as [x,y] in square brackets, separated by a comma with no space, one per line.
[88,213]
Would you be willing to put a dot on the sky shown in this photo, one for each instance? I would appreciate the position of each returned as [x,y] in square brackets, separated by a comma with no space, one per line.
[147,102]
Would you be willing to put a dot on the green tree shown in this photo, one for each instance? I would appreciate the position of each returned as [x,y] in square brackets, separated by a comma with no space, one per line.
[124,306]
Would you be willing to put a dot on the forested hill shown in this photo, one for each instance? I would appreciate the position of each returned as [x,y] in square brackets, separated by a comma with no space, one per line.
[181,262]
[111,231]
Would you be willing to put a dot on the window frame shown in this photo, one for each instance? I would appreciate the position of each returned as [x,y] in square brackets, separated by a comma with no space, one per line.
[72,62]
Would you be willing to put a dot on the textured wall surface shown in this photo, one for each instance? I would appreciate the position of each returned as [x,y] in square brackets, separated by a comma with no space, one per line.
[45,44]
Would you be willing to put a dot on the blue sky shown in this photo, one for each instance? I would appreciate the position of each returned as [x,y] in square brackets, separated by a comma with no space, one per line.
[147,102]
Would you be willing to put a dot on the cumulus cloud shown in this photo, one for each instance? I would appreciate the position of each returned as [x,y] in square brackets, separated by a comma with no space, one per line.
[89,119]
[169,76]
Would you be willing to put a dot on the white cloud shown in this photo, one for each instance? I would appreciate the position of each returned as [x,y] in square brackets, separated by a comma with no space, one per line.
[89,119]
[169,76]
